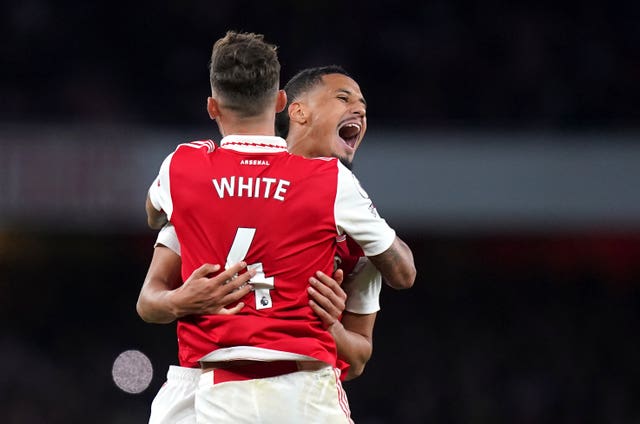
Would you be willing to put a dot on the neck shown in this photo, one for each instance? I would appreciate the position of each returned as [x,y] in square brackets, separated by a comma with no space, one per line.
[257,125]
[301,143]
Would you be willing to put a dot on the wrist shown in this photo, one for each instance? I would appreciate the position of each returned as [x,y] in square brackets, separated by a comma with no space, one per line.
[335,327]
[171,306]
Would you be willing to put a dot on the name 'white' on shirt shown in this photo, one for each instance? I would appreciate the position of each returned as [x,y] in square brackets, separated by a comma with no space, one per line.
[264,187]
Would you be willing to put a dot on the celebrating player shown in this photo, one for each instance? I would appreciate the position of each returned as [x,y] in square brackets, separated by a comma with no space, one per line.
[163,298]
[269,210]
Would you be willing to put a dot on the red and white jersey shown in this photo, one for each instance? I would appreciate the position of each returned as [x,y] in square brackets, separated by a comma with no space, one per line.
[362,283]
[251,200]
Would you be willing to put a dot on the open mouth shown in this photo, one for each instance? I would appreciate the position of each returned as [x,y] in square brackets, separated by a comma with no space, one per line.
[349,133]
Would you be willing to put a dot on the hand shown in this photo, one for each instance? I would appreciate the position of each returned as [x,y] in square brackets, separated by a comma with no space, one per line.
[202,295]
[326,297]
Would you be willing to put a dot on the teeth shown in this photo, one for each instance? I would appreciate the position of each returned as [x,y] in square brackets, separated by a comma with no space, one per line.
[353,125]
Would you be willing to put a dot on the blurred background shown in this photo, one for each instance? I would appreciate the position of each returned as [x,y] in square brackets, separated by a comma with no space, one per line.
[503,145]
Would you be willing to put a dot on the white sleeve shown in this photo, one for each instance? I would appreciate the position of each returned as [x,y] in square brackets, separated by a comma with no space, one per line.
[168,237]
[363,288]
[357,216]
[160,190]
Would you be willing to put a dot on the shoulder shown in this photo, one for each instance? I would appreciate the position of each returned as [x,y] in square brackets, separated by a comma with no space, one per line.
[310,166]
[349,182]
[193,151]
[206,146]
[320,162]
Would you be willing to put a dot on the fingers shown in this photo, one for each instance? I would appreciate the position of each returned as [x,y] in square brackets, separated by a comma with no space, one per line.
[338,275]
[232,311]
[237,292]
[220,304]
[232,288]
[233,270]
[326,299]
[207,269]
[231,280]
[204,270]
[329,285]
[327,319]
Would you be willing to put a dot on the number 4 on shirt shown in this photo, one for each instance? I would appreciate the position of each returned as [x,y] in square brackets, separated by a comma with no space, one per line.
[262,285]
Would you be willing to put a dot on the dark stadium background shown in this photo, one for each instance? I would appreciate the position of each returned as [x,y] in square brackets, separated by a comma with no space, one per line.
[526,306]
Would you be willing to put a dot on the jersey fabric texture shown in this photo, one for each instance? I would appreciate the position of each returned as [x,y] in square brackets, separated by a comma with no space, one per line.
[251,200]
[362,283]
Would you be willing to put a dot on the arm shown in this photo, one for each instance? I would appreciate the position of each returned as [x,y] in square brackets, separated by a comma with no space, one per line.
[357,216]
[354,334]
[354,339]
[164,299]
[396,265]
[155,218]
[159,204]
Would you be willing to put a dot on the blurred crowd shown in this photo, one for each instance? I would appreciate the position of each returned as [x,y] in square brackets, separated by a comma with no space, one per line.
[496,330]
[436,64]
[516,329]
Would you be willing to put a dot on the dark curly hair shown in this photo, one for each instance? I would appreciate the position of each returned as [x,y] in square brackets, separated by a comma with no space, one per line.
[301,83]
[244,72]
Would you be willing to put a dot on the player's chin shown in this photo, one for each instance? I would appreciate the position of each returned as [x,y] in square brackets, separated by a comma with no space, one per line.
[345,153]
[347,160]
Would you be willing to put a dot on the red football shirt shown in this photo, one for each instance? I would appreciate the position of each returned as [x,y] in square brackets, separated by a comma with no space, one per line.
[251,200]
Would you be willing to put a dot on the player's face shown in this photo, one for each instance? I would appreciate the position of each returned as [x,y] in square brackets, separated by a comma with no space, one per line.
[337,117]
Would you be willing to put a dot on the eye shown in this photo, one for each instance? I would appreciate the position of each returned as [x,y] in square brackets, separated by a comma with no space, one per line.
[343,98]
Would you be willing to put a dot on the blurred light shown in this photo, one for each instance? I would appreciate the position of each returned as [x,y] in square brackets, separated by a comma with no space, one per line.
[132,371]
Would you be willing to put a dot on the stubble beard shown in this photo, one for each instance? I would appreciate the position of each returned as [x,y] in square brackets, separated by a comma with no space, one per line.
[346,162]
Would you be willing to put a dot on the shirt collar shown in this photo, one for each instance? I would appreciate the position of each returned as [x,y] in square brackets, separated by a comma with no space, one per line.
[254,143]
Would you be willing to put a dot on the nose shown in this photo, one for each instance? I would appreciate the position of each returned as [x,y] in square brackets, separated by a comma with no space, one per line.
[358,109]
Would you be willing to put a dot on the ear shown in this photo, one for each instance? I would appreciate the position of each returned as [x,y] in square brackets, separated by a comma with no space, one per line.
[281,101]
[297,113]
[213,108]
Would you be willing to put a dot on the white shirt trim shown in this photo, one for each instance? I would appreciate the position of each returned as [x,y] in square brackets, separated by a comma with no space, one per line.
[168,238]
[253,143]
[363,287]
[252,353]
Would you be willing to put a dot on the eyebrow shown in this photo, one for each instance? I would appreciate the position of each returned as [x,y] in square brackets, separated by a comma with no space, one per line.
[344,90]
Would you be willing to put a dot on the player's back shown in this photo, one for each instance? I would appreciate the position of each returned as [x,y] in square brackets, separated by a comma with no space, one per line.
[275,211]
